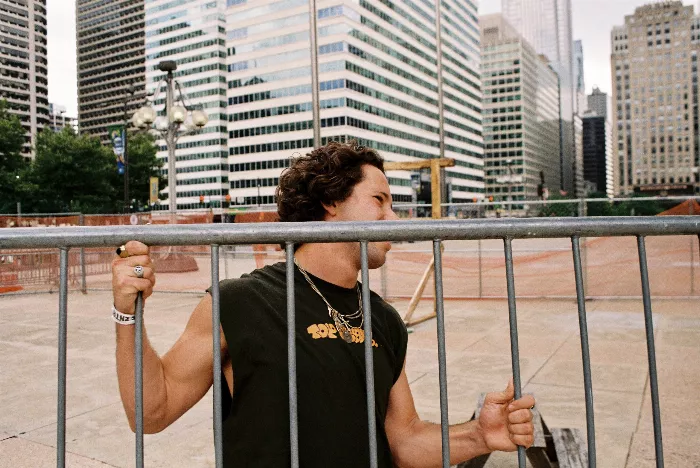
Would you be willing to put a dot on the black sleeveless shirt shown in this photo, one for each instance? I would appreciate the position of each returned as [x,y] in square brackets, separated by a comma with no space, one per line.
[332,400]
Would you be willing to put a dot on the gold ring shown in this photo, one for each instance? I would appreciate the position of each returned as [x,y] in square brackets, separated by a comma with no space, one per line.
[121,251]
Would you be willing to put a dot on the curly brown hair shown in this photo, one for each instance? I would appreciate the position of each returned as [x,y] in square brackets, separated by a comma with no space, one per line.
[325,176]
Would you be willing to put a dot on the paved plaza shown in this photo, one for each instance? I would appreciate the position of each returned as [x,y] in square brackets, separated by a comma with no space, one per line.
[478,360]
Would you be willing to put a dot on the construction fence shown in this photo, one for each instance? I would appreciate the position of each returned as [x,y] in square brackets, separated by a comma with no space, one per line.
[472,268]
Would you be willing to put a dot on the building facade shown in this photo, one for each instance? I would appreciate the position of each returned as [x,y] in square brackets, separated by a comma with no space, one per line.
[378,84]
[193,34]
[546,25]
[110,55]
[24,65]
[597,152]
[655,100]
[59,119]
[521,114]
[599,102]
[579,81]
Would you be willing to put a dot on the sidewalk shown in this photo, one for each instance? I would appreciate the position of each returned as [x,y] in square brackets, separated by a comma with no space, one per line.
[478,360]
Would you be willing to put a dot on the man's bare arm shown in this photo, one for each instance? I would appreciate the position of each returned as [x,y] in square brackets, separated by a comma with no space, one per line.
[171,384]
[174,383]
[418,444]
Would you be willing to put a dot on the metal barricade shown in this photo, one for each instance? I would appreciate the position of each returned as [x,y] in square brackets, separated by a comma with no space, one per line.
[362,232]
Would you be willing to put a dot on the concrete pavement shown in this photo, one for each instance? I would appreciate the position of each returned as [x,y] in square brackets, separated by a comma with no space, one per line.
[478,360]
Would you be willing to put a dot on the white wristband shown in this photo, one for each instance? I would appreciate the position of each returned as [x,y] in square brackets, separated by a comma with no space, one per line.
[123,319]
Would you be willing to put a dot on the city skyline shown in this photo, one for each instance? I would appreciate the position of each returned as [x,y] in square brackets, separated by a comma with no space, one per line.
[588,25]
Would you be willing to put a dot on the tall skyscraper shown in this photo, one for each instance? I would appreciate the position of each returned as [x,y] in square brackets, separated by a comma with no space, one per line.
[579,80]
[24,65]
[193,34]
[597,152]
[110,54]
[655,99]
[546,24]
[599,102]
[378,85]
[521,114]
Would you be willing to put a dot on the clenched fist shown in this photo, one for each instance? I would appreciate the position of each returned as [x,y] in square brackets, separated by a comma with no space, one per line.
[125,282]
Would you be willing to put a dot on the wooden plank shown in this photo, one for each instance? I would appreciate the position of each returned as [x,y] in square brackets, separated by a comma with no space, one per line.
[415,165]
[418,293]
[571,448]
[436,188]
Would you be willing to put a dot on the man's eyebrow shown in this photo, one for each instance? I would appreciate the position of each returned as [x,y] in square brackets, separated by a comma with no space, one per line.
[385,195]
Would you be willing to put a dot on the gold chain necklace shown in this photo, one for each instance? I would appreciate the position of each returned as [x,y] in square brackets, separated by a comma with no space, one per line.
[341,321]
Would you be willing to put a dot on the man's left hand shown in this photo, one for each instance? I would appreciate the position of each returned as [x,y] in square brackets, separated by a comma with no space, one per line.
[506,423]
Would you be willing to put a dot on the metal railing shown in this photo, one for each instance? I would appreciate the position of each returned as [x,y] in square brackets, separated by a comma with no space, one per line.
[362,232]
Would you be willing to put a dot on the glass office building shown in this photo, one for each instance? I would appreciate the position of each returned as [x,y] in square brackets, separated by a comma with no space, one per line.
[193,34]
[378,85]
[546,25]
[521,115]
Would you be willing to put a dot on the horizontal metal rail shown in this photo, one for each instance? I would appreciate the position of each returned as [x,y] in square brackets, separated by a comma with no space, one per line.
[280,233]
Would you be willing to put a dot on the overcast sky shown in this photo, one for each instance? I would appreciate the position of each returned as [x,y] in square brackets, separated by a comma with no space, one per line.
[592,21]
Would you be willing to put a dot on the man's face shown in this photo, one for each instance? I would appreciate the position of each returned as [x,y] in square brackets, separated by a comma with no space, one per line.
[370,200]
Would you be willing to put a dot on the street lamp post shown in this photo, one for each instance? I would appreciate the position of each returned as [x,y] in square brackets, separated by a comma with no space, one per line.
[127,99]
[177,113]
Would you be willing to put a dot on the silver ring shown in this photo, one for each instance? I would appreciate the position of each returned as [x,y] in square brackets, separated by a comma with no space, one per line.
[138,271]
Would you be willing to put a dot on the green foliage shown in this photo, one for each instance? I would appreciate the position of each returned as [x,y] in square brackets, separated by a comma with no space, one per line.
[599,208]
[72,173]
[143,164]
[12,164]
[560,209]
[638,207]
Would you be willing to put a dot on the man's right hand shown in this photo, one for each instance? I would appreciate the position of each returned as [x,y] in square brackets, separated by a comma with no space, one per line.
[125,284]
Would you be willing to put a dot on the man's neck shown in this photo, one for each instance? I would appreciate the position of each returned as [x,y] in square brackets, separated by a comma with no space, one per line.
[330,262]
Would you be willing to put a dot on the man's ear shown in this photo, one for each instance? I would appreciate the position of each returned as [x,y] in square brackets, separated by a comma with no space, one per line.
[331,210]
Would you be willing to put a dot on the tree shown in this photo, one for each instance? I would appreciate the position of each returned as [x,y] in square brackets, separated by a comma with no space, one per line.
[599,208]
[73,173]
[637,206]
[560,209]
[143,164]
[12,163]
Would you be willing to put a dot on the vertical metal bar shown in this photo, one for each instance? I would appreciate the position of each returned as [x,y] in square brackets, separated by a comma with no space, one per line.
[369,357]
[583,328]
[138,380]
[292,359]
[216,334]
[481,289]
[315,103]
[83,283]
[62,353]
[442,354]
[584,266]
[651,352]
[513,320]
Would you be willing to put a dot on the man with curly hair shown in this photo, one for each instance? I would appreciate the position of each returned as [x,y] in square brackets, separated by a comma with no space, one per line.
[336,182]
